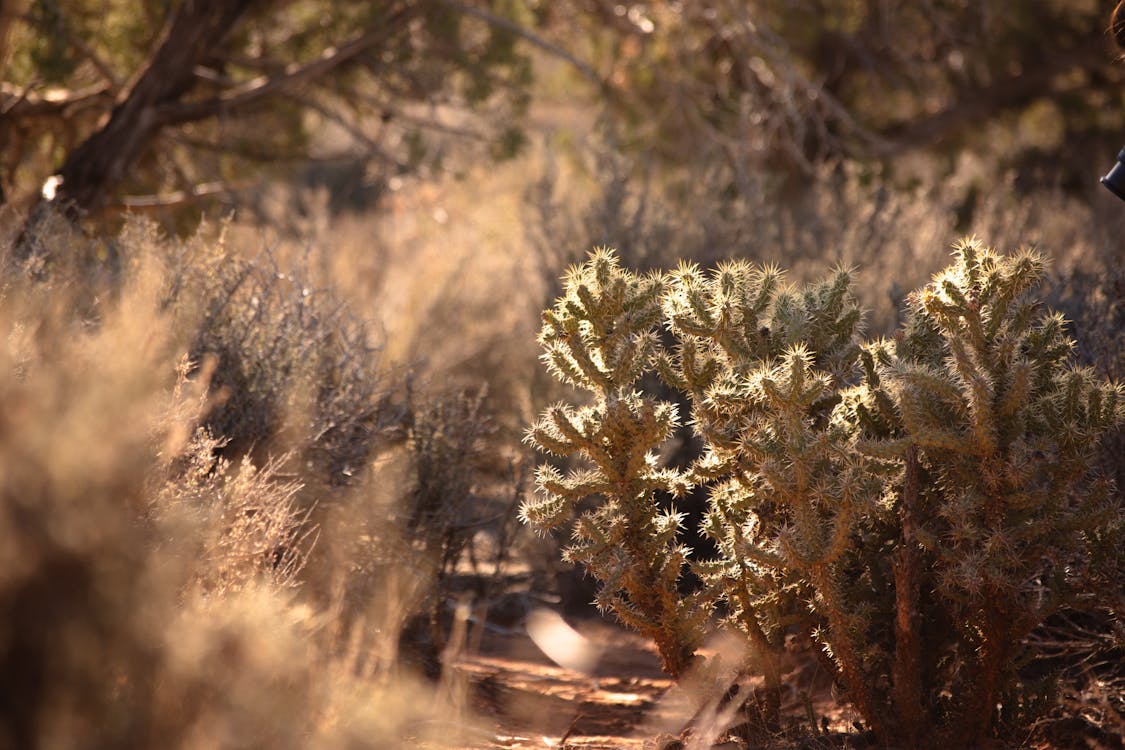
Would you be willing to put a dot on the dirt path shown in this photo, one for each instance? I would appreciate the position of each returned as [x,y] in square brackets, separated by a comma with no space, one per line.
[623,702]
[524,700]
[535,703]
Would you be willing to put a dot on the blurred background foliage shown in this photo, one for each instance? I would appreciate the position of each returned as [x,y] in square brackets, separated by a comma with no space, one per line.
[793,85]
[203,98]
[313,90]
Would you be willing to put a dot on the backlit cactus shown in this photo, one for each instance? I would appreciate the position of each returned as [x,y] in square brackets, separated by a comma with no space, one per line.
[916,505]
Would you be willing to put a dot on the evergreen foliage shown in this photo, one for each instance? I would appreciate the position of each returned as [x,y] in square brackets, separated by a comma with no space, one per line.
[236,90]
[917,505]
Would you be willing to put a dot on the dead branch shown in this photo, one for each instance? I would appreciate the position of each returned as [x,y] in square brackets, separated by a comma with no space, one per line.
[176,198]
[25,102]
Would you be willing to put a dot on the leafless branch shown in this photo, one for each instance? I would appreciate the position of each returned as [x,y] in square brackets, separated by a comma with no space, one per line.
[335,117]
[372,153]
[179,197]
[372,150]
[435,125]
[25,102]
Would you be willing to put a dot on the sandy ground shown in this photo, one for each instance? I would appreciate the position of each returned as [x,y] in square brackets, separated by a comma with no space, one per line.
[621,700]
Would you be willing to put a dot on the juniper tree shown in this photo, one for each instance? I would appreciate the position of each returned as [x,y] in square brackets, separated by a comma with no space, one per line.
[601,337]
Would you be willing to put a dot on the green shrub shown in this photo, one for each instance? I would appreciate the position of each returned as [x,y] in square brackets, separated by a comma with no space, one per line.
[918,505]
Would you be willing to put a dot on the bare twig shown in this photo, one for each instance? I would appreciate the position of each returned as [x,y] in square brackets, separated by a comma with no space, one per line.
[259,155]
[179,197]
[25,102]
[335,117]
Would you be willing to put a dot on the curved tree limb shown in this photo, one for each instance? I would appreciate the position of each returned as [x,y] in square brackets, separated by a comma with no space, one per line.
[107,155]
[257,89]
[156,100]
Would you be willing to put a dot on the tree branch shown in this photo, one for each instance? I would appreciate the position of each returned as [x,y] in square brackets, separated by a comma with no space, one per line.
[328,114]
[372,150]
[99,64]
[102,160]
[255,90]
[175,198]
[21,103]
[526,34]
[269,156]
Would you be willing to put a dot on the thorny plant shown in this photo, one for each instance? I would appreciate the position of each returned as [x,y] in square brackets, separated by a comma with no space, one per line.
[917,505]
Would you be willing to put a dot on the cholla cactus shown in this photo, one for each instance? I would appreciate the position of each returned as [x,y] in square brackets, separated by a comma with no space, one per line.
[1008,513]
[845,481]
[783,492]
[601,337]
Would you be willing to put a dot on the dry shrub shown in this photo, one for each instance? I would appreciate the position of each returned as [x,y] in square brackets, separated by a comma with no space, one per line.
[148,586]
[447,447]
[1088,650]
[707,213]
[417,529]
[75,445]
[896,234]
[296,369]
[249,528]
[445,505]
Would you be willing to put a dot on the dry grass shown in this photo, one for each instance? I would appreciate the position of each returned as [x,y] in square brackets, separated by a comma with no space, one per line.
[153,589]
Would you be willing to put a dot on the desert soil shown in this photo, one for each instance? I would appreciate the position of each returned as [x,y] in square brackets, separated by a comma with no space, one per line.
[624,701]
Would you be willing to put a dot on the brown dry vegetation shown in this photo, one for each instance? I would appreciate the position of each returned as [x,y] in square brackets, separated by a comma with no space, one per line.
[254,488]
[152,589]
[258,481]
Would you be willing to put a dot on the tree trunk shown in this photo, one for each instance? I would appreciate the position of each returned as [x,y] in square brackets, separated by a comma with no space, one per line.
[104,159]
